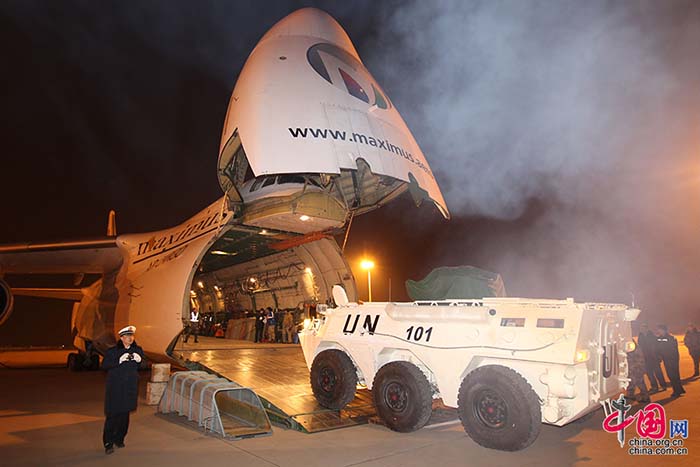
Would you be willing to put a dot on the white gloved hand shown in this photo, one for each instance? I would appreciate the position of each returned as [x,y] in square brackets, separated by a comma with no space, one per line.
[137,357]
[123,358]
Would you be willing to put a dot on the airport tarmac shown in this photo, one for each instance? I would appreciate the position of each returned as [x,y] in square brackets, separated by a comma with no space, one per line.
[50,416]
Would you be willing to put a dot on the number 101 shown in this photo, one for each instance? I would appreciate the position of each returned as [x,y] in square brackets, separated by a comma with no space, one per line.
[419,333]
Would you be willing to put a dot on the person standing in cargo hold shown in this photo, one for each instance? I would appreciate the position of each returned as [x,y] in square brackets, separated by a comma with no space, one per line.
[287,327]
[121,391]
[259,325]
[270,322]
[194,326]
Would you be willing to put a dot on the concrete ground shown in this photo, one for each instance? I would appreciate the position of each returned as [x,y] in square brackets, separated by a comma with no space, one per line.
[54,417]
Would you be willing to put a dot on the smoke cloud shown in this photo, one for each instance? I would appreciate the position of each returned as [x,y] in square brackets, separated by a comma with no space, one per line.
[588,108]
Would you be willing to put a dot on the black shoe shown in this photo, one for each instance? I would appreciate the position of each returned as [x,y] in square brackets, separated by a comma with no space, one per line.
[119,445]
[109,449]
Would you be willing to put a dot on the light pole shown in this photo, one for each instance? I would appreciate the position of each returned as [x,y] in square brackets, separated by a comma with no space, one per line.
[368,265]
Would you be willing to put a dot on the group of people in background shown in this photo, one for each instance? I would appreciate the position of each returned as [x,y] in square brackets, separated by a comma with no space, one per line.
[275,326]
[653,349]
[270,325]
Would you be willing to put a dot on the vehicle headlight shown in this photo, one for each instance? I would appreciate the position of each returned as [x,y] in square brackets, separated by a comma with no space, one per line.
[582,355]
[630,346]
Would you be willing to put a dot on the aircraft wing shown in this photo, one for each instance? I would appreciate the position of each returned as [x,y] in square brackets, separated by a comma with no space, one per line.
[88,256]
[79,257]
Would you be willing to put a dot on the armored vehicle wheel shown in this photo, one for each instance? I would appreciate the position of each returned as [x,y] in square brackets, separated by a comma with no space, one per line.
[499,409]
[333,379]
[403,396]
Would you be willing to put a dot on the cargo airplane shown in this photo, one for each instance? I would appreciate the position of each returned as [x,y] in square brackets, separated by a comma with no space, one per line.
[310,139]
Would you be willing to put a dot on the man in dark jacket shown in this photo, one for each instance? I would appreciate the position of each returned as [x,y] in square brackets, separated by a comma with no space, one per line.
[692,341]
[259,325]
[647,343]
[121,392]
[667,346]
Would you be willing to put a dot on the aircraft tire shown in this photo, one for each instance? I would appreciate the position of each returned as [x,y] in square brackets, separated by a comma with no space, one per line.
[333,379]
[94,364]
[75,361]
[403,396]
[499,409]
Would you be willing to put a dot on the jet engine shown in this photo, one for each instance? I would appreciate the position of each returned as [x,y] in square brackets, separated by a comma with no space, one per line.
[6,301]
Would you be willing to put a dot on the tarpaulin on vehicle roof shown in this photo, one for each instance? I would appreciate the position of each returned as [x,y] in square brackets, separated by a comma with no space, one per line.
[460,282]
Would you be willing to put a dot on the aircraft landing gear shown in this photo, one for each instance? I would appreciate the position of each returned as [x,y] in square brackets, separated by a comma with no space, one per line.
[84,361]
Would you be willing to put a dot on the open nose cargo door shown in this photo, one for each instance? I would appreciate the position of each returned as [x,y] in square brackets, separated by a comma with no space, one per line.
[305,105]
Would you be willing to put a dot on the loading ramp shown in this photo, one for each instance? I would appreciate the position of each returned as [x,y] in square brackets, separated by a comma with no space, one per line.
[215,404]
[277,373]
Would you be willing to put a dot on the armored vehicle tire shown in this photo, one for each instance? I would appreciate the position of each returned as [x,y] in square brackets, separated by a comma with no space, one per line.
[333,379]
[403,396]
[499,409]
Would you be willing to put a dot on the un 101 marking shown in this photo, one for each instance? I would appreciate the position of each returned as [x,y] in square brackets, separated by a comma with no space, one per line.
[419,333]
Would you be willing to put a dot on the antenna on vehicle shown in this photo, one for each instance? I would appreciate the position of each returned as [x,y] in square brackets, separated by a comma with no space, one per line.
[112,224]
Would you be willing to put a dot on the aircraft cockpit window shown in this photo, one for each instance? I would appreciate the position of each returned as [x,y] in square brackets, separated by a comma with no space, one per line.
[256,184]
[290,178]
[268,181]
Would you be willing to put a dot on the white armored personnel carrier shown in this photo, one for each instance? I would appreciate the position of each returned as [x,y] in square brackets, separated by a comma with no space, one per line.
[506,364]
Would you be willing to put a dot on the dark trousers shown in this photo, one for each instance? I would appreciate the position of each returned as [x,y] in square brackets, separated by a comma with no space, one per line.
[674,375]
[696,360]
[192,330]
[116,426]
[654,372]
[259,332]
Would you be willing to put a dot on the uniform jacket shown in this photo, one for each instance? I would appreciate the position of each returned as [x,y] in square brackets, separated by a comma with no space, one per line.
[667,348]
[692,341]
[122,388]
[647,343]
[259,319]
[288,321]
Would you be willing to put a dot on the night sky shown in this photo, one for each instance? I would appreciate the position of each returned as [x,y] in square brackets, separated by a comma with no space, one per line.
[566,138]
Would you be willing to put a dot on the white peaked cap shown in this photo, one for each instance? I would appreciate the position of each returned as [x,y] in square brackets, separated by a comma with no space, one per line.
[127,330]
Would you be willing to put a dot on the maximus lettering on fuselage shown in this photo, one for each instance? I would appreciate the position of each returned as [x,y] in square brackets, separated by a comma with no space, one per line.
[182,235]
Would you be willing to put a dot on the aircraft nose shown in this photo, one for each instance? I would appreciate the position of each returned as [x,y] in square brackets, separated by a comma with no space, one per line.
[312,22]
